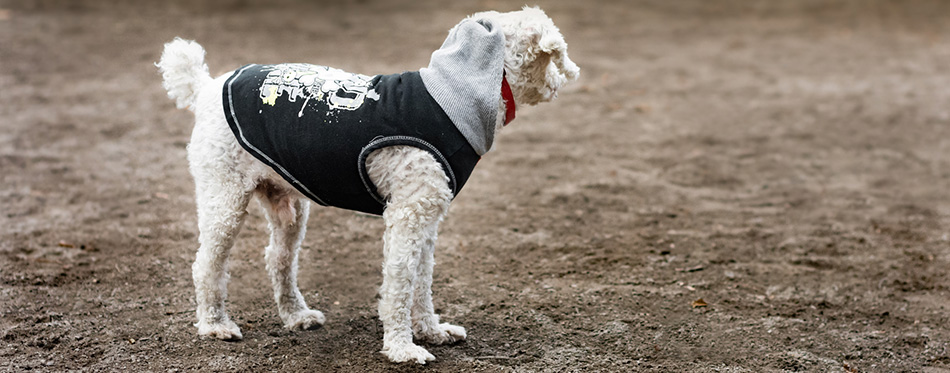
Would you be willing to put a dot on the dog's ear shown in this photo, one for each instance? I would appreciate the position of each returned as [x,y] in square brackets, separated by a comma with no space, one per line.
[553,43]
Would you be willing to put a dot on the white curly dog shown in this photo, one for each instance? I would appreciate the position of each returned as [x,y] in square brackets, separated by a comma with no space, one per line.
[414,184]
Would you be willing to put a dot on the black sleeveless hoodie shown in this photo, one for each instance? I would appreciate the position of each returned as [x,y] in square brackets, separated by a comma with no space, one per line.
[315,125]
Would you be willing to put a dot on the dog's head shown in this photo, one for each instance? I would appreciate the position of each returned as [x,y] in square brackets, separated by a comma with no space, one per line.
[536,62]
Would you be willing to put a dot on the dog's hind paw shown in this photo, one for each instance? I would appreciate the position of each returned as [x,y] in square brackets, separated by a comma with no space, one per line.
[303,320]
[228,330]
[405,352]
[443,334]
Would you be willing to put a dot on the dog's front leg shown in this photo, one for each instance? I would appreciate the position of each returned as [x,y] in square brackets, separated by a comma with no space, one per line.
[425,322]
[408,227]
[419,197]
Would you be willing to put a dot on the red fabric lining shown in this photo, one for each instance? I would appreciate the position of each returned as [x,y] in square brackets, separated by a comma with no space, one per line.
[509,100]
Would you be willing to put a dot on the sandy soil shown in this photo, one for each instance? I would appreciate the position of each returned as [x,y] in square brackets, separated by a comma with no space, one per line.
[785,162]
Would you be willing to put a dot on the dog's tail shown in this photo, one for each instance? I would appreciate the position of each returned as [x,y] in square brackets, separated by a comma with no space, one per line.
[184,71]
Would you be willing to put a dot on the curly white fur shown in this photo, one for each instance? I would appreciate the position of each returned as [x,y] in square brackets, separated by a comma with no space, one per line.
[227,177]
[536,60]
[183,71]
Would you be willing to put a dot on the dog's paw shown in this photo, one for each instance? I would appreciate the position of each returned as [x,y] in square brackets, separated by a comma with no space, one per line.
[443,334]
[405,352]
[227,330]
[303,320]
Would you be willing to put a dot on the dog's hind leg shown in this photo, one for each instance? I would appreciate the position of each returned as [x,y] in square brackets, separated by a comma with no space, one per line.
[222,207]
[287,219]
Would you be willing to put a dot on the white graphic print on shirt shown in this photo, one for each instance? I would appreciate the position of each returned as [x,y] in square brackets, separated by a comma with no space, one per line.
[338,88]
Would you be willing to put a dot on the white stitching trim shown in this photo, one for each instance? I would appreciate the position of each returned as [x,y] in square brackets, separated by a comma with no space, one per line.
[244,141]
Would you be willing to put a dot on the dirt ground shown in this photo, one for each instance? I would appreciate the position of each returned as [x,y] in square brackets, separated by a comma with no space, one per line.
[784,161]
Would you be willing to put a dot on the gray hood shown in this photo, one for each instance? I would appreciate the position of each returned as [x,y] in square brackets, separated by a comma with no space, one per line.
[464,77]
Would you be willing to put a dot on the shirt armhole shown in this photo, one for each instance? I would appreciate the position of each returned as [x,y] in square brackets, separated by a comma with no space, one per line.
[387,141]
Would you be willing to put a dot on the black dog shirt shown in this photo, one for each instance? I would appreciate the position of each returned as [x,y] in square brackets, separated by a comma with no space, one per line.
[316,125]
